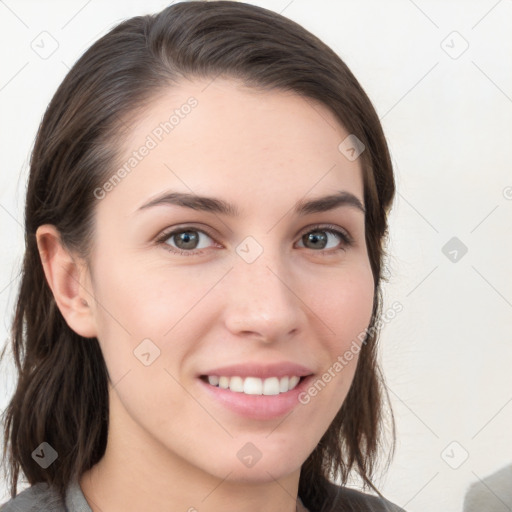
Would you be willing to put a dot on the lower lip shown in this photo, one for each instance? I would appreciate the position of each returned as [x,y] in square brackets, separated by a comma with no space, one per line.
[258,407]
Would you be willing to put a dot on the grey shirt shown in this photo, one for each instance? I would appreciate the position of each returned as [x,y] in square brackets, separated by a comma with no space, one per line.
[40,498]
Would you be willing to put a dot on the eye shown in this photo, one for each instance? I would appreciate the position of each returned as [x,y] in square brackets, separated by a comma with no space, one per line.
[317,238]
[187,240]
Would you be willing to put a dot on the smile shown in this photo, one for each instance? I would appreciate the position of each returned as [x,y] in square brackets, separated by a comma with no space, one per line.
[254,385]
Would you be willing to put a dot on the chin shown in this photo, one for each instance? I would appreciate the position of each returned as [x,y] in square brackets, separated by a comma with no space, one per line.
[261,473]
[266,465]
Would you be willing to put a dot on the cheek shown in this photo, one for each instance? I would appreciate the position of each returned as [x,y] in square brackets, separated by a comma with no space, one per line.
[344,305]
[135,311]
[129,301]
[155,304]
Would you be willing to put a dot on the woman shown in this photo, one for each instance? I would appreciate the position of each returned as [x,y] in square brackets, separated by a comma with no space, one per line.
[198,315]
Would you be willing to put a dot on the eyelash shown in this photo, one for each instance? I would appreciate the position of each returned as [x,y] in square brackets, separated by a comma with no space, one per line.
[346,240]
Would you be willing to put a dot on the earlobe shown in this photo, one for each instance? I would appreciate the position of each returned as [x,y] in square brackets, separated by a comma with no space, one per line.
[67,279]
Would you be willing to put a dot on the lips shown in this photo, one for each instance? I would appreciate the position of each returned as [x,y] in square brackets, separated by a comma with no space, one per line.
[262,371]
[256,391]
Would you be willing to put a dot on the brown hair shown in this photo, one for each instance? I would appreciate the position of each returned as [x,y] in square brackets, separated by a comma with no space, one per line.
[62,389]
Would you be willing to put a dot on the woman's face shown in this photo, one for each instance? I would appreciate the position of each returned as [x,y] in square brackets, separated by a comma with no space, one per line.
[262,293]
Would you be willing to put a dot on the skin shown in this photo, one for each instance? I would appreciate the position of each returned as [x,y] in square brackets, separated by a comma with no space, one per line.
[170,446]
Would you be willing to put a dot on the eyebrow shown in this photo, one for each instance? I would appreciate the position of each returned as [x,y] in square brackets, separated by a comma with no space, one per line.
[219,206]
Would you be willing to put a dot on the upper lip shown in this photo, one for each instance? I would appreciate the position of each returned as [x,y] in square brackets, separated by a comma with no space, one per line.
[262,371]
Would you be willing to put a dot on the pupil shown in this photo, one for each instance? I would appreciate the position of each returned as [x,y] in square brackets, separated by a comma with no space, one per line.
[186,238]
[315,238]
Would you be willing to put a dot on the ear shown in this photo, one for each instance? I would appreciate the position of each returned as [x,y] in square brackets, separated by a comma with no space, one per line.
[69,281]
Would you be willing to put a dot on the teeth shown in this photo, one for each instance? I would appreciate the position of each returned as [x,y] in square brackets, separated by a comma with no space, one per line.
[293,382]
[236,384]
[251,385]
[213,380]
[271,386]
[255,385]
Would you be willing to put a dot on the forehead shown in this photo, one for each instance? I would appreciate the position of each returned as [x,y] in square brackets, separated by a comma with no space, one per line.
[221,138]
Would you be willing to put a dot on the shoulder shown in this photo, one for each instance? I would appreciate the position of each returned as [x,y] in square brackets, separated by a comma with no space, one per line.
[351,500]
[36,498]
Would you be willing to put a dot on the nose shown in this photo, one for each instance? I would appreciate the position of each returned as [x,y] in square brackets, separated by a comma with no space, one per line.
[262,301]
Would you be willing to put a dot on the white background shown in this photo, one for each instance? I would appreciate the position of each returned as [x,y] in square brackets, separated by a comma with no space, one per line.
[447,355]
